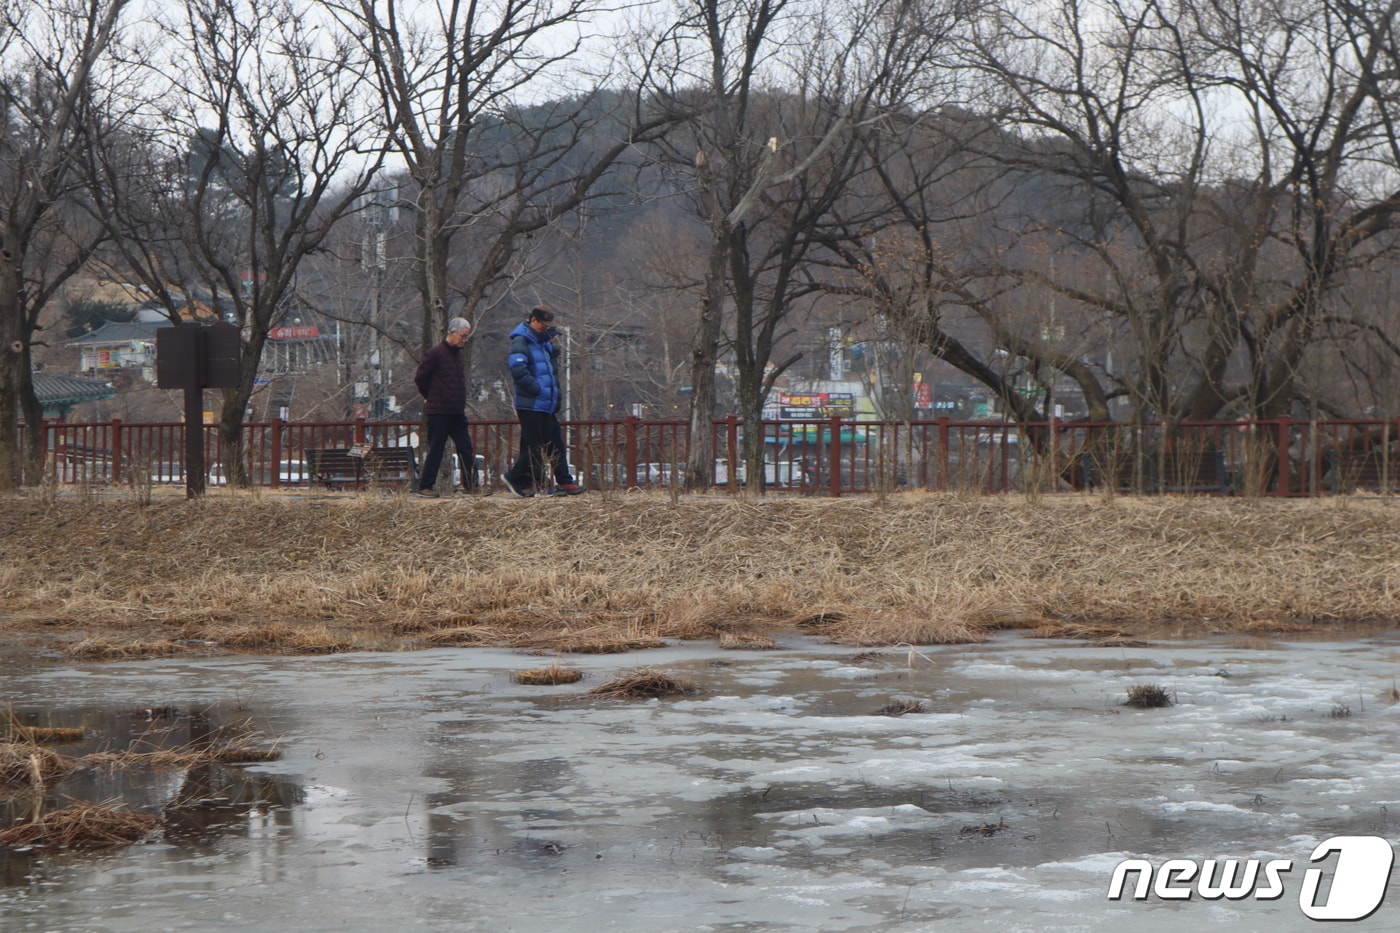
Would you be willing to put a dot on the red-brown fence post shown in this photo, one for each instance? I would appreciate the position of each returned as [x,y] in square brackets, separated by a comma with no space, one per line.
[116,450]
[835,455]
[276,452]
[944,459]
[629,450]
[1281,488]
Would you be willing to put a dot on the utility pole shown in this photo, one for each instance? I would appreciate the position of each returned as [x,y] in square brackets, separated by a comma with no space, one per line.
[378,222]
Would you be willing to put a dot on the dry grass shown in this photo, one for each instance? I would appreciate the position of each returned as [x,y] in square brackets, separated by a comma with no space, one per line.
[178,759]
[902,707]
[1119,641]
[1147,696]
[643,684]
[482,635]
[12,730]
[243,754]
[49,735]
[752,641]
[108,649]
[1077,630]
[593,644]
[81,827]
[550,675]
[279,573]
[288,637]
[26,765]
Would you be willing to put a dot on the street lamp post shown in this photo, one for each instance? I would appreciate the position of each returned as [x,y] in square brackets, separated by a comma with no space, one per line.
[568,371]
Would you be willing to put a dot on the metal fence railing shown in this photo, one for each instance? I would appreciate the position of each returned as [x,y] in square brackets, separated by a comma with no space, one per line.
[829,456]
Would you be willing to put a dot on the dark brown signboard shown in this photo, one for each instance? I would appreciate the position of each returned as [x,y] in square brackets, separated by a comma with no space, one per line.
[194,357]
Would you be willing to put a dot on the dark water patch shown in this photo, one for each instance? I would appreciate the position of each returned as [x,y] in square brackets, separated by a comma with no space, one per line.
[176,764]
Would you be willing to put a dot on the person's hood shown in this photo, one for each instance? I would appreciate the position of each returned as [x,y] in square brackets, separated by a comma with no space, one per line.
[523,330]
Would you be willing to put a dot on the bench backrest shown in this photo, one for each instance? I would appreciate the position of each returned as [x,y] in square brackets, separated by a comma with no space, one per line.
[334,465]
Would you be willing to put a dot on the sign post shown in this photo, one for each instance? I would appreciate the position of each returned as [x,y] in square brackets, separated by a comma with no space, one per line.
[193,357]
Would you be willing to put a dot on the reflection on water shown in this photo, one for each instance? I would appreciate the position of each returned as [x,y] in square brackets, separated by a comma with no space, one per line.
[434,791]
[195,803]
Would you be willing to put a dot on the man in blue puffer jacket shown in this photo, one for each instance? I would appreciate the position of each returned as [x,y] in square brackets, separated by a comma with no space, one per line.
[533,366]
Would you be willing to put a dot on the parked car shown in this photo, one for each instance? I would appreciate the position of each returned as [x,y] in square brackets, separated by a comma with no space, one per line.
[173,472]
[659,474]
[292,472]
[483,474]
[790,474]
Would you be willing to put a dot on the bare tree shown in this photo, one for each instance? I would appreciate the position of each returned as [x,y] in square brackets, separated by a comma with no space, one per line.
[49,56]
[1229,161]
[1157,201]
[260,144]
[780,86]
[496,146]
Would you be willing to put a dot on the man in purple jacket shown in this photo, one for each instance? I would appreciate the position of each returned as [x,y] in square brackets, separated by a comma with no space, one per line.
[443,385]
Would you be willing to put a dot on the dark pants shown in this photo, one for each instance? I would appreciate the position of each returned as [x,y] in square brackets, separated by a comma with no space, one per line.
[440,428]
[541,449]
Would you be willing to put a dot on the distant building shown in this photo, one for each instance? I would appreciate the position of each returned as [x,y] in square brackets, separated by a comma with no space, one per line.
[297,349]
[115,346]
[58,393]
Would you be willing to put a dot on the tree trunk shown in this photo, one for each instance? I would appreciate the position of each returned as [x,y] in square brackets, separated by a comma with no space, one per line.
[12,366]
[699,469]
[17,398]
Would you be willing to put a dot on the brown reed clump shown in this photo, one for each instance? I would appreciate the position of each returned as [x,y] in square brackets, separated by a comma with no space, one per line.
[752,641]
[637,570]
[643,684]
[51,735]
[599,644]
[107,649]
[1078,630]
[902,707]
[550,675]
[81,826]
[243,754]
[475,635]
[287,637]
[178,759]
[1119,641]
[12,730]
[1147,696]
[26,765]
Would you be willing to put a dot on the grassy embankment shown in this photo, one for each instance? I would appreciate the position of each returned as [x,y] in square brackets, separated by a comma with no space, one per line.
[120,576]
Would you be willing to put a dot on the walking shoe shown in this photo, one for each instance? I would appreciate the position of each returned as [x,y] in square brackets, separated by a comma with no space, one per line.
[566,489]
[523,492]
[428,492]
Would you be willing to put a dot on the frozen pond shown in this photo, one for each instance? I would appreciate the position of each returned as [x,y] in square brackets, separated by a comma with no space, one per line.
[430,790]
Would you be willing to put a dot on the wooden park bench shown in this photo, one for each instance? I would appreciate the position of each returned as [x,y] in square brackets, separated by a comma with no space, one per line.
[358,467]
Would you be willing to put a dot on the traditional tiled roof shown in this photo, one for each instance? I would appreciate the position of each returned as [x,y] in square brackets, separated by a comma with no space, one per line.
[55,390]
[116,332]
